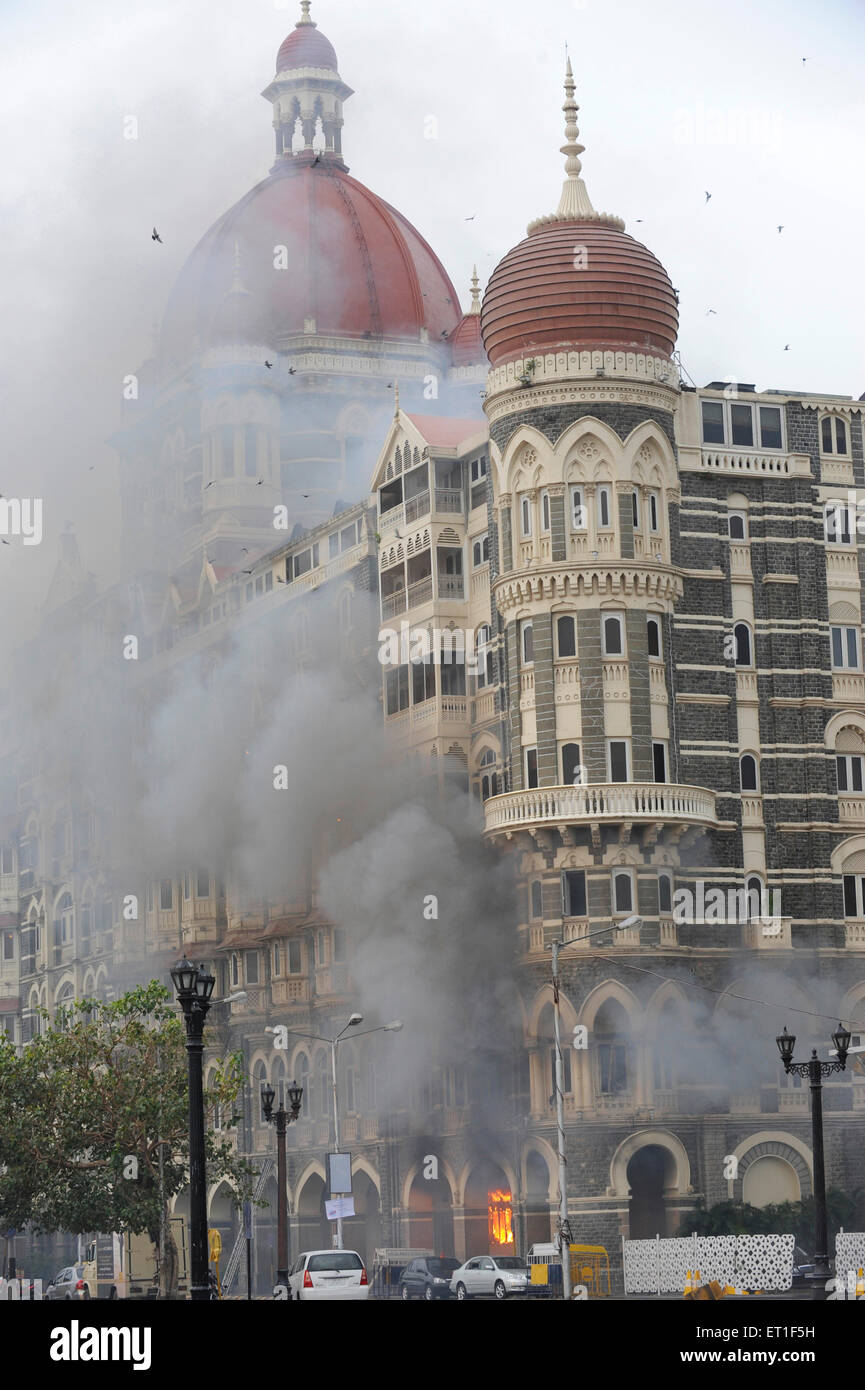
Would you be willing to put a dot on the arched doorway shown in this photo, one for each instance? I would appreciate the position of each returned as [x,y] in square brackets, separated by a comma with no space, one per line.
[538,1225]
[223,1218]
[770,1180]
[431,1216]
[647,1212]
[362,1232]
[313,1228]
[489,1212]
[264,1245]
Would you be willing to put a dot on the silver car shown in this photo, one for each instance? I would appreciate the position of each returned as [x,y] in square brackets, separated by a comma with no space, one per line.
[493,1276]
[68,1285]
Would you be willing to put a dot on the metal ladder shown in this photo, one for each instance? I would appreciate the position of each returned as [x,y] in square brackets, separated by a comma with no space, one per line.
[233,1263]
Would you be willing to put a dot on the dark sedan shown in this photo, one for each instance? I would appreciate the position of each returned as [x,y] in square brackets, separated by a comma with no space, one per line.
[428,1278]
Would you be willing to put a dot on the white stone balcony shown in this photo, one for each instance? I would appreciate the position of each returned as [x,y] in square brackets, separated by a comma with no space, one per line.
[854,935]
[613,801]
[848,688]
[851,810]
[753,461]
[768,934]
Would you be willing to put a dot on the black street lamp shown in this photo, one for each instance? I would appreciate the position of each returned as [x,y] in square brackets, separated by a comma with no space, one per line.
[815,1070]
[194,988]
[283,1119]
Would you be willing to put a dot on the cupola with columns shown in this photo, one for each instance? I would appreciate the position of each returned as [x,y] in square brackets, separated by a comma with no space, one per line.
[307,94]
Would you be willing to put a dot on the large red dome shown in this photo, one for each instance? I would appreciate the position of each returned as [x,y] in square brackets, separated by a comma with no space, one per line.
[538,300]
[356,266]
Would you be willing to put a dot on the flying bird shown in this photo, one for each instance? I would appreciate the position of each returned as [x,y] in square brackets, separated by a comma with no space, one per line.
[804,60]
[708,195]
[787,348]
[305,496]
[292,370]
[248,571]
[260,481]
[268,365]
[711,311]
[445,333]
[472,218]
[7,542]
[390,386]
[638,219]
[243,550]
[154,236]
[210,484]
[780,229]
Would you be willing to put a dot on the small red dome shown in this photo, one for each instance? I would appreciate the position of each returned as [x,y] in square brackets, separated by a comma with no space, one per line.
[306,47]
[538,300]
[356,267]
[466,343]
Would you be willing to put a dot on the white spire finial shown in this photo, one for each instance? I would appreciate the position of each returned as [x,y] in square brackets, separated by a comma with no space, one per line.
[574,204]
[476,294]
[304,15]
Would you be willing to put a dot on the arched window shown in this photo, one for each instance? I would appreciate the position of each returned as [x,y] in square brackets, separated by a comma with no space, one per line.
[850,760]
[665,894]
[301,1071]
[489,779]
[742,635]
[566,635]
[64,1001]
[611,1034]
[635,509]
[748,773]
[755,889]
[546,1042]
[321,1084]
[483,640]
[259,1079]
[535,899]
[737,525]
[833,435]
[572,775]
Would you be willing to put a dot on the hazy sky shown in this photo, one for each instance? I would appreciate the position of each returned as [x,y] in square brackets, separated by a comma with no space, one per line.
[676,97]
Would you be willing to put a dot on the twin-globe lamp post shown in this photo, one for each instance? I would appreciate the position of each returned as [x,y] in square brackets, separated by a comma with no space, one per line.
[815,1070]
[194,989]
[282,1119]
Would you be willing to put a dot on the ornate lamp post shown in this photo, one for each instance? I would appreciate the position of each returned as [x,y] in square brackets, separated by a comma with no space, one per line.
[815,1070]
[194,988]
[283,1119]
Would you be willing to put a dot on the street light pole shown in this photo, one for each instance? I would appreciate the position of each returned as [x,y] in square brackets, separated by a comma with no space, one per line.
[282,1119]
[815,1070]
[333,1046]
[194,988]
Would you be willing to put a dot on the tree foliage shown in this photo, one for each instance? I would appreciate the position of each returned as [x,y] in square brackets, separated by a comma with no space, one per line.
[740,1219]
[85,1109]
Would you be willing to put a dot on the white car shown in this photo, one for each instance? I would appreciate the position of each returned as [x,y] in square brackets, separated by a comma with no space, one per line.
[497,1276]
[328,1274]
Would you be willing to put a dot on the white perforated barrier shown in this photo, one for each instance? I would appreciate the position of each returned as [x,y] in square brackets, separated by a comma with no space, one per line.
[849,1254]
[746,1262]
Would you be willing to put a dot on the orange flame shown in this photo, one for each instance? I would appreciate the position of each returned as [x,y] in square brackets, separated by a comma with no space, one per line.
[500,1215]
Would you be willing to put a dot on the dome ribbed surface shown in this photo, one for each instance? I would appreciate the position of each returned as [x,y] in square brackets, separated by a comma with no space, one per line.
[306,47]
[356,266]
[537,301]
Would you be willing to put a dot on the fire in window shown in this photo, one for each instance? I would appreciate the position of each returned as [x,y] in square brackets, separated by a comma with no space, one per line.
[500,1212]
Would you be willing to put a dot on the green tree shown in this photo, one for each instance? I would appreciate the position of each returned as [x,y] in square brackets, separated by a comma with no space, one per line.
[740,1219]
[94,1122]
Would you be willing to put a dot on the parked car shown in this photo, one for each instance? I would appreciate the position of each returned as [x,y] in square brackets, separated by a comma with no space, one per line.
[328,1274]
[68,1284]
[428,1278]
[803,1268]
[497,1276]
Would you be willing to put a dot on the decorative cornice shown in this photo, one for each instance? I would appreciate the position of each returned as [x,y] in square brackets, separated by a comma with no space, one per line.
[549,583]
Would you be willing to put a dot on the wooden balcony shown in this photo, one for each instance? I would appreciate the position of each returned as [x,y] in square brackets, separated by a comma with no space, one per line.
[287,992]
[644,802]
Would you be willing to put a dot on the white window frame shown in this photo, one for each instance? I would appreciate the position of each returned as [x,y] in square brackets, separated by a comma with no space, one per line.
[834,451]
[750,791]
[605,493]
[755,408]
[526,518]
[842,534]
[636,512]
[545,512]
[664,747]
[655,512]
[605,617]
[860,895]
[578,509]
[628,762]
[482,540]
[740,516]
[845,633]
[749,664]
[848,760]
[656,619]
